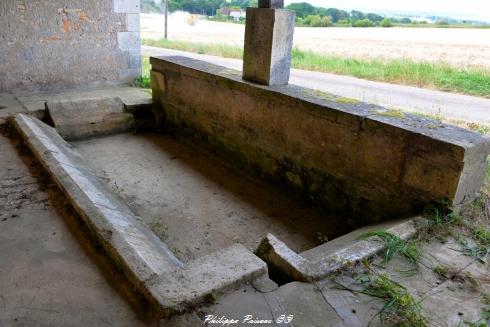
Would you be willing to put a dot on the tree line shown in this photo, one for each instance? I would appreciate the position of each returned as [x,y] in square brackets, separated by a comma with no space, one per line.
[200,7]
[306,14]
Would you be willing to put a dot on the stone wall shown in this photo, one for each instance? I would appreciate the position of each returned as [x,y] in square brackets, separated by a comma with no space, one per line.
[62,43]
[359,160]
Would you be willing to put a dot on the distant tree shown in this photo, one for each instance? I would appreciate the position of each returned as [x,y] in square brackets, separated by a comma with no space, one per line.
[363,23]
[174,5]
[442,22]
[357,15]
[405,20]
[149,6]
[302,9]
[204,7]
[336,14]
[374,17]
[242,3]
[386,23]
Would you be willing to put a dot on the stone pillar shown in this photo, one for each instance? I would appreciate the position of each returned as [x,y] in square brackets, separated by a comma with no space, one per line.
[268,43]
[128,39]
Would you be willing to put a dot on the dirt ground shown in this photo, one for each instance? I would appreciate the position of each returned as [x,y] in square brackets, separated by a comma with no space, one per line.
[195,202]
[459,47]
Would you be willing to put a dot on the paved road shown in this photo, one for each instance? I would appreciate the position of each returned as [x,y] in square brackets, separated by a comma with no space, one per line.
[408,98]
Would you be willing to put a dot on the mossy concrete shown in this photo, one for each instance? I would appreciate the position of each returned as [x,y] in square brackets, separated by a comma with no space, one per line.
[348,158]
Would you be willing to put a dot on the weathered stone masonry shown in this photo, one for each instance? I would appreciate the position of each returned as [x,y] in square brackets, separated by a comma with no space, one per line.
[360,160]
[62,43]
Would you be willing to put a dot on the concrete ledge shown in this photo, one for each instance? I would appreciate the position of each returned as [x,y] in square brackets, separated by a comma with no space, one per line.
[202,279]
[167,284]
[348,157]
[80,118]
[319,262]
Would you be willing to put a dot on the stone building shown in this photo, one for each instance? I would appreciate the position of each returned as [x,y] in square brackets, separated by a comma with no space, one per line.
[75,42]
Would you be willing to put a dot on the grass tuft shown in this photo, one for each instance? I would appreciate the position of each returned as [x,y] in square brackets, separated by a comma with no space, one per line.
[400,308]
[395,245]
[480,250]
[144,80]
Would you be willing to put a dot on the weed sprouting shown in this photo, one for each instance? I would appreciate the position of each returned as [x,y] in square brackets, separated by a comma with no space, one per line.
[439,221]
[143,82]
[479,251]
[442,272]
[400,307]
[482,235]
[395,245]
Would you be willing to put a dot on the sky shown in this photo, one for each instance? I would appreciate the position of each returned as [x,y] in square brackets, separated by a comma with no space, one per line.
[469,9]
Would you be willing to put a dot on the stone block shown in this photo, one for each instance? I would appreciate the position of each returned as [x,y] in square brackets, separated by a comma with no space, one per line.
[133,22]
[268,44]
[127,6]
[134,59]
[208,276]
[86,117]
[128,40]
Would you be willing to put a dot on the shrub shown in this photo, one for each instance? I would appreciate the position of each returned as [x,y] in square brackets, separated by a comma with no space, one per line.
[386,23]
[317,21]
[344,21]
[363,23]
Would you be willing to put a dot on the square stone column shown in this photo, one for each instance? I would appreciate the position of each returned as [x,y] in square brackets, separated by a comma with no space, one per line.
[268,44]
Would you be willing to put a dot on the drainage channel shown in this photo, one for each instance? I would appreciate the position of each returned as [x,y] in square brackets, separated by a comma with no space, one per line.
[196,203]
[207,217]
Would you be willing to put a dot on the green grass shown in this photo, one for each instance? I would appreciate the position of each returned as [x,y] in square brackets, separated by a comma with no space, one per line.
[395,245]
[481,249]
[398,302]
[221,50]
[144,80]
[400,308]
[441,76]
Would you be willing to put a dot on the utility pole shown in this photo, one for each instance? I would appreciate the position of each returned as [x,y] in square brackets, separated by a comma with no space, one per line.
[165,12]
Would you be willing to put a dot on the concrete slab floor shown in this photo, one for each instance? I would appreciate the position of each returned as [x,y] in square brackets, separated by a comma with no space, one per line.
[195,202]
[49,274]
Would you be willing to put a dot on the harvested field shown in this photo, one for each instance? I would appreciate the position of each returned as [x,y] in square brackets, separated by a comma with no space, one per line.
[460,47]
